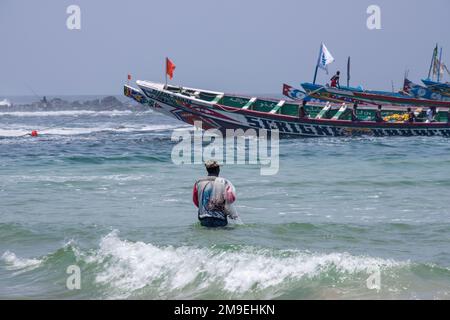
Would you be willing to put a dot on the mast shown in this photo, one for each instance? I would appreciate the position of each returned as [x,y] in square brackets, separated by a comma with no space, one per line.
[432,61]
[317,65]
[439,66]
[165,73]
[348,72]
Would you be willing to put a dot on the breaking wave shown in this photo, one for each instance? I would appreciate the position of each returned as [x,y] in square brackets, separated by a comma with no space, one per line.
[124,269]
[5,103]
[133,266]
[61,113]
[70,131]
[12,262]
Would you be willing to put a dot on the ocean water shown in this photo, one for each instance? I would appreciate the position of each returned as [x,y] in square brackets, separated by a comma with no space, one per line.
[99,190]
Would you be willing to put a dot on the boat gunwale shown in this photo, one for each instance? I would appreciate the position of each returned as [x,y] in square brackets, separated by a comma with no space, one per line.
[341,121]
[375,97]
[290,118]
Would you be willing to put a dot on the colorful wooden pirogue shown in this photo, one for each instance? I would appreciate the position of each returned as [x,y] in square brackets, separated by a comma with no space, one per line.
[348,94]
[435,94]
[439,87]
[229,111]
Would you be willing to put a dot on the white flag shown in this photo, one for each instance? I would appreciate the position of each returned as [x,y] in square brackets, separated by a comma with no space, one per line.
[325,58]
[443,69]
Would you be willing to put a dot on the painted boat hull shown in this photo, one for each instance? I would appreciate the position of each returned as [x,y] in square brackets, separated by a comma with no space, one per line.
[369,97]
[442,88]
[421,92]
[213,115]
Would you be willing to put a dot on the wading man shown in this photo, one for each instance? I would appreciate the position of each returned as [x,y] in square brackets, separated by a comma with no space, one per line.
[213,196]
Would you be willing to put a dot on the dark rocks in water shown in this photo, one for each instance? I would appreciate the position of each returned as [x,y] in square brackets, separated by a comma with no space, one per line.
[92,103]
[57,103]
[97,104]
[111,101]
[76,104]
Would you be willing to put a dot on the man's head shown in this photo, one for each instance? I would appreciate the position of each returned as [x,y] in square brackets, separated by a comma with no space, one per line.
[338,73]
[379,107]
[213,167]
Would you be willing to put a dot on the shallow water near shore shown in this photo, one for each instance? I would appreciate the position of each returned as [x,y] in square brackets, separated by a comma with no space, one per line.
[99,190]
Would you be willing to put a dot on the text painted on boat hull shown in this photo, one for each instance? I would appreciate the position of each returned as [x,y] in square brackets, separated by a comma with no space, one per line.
[317,130]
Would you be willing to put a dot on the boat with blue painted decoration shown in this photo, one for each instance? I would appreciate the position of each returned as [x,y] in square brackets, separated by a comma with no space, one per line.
[371,97]
[439,87]
[223,111]
[436,73]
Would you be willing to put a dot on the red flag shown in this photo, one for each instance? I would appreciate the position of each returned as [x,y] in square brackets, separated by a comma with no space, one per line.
[170,67]
[129,76]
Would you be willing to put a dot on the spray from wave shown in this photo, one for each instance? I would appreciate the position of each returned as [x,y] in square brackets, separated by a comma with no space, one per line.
[5,103]
[12,262]
[72,131]
[63,113]
[133,266]
[124,269]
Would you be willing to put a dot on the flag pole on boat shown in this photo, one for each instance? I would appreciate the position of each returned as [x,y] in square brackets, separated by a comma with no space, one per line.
[348,72]
[439,66]
[317,64]
[165,73]
[170,67]
[324,59]
[433,57]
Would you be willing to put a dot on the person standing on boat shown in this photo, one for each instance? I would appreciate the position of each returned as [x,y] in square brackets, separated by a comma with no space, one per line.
[302,110]
[411,116]
[378,117]
[354,114]
[213,196]
[431,113]
[335,80]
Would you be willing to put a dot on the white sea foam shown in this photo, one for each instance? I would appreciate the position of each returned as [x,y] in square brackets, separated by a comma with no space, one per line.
[70,131]
[130,266]
[85,178]
[13,132]
[5,103]
[60,113]
[13,262]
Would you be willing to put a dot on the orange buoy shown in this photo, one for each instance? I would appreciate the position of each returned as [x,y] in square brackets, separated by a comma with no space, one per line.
[34,133]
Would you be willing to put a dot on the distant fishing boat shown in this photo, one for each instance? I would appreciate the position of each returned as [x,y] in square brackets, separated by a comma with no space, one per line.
[442,88]
[372,97]
[417,97]
[435,74]
[229,111]
[422,92]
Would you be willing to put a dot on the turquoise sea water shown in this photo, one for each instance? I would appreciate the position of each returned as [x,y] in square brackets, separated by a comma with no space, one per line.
[99,190]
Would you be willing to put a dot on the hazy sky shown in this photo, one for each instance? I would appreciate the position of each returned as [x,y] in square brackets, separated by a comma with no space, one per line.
[234,45]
